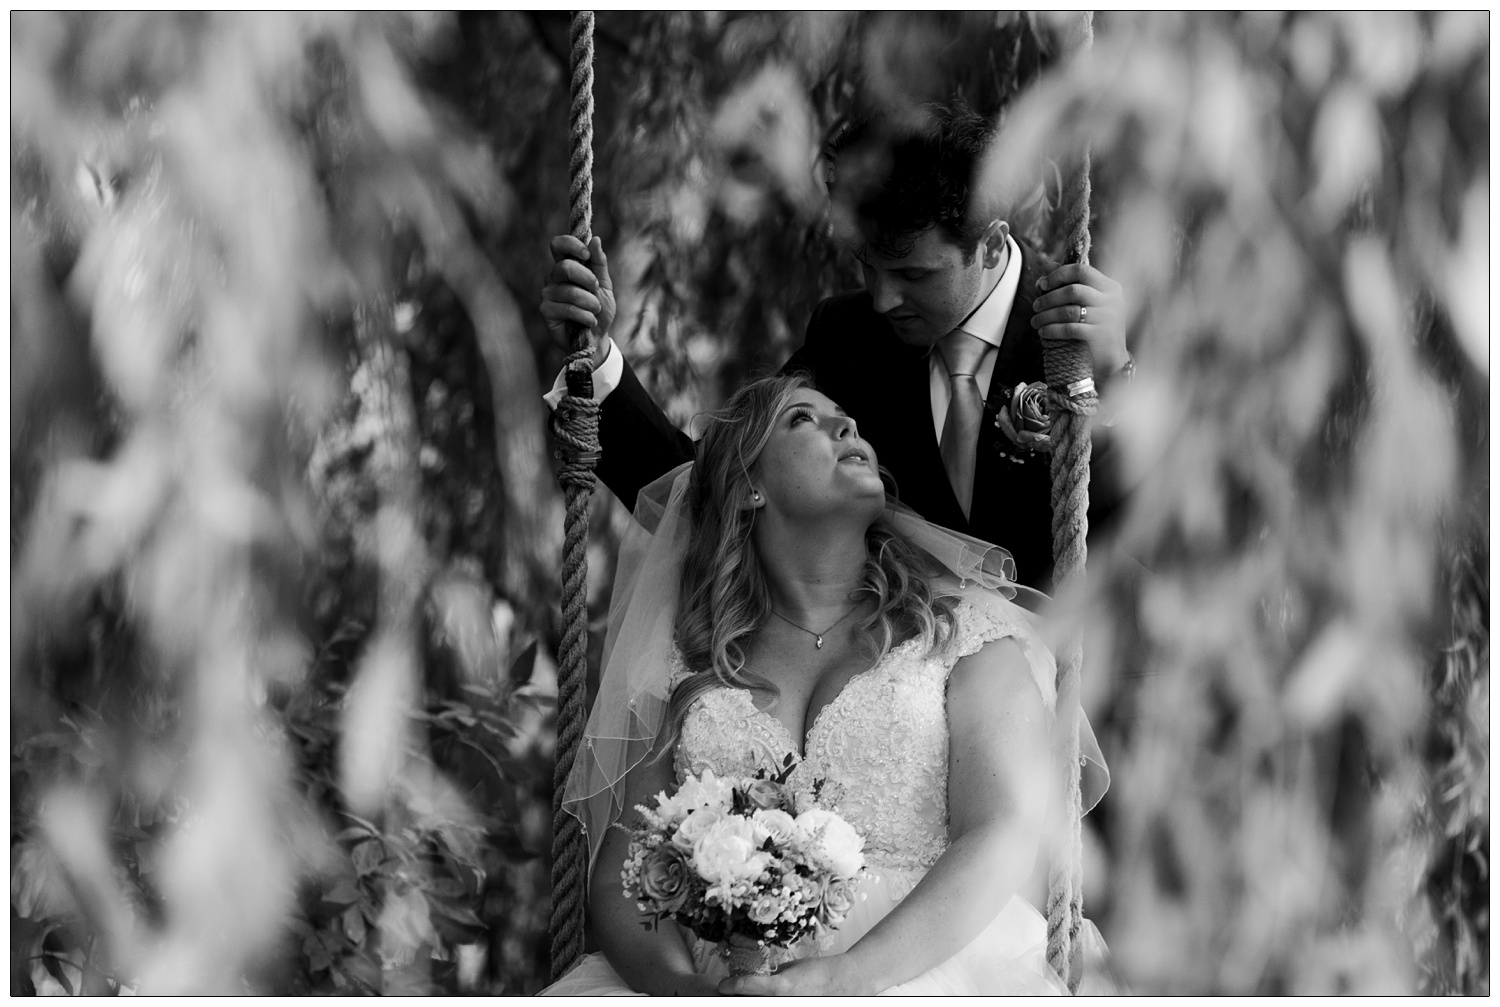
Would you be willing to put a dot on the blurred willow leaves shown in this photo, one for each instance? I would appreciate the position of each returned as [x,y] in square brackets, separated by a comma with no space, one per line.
[261,625]
[282,513]
[1290,203]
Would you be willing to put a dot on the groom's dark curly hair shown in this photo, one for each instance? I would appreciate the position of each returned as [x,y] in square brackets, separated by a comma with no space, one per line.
[902,178]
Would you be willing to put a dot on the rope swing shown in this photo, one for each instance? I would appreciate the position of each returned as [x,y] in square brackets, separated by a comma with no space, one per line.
[575,424]
[1073,400]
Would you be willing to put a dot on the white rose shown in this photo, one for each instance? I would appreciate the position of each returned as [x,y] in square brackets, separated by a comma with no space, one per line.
[694,827]
[756,832]
[727,852]
[707,791]
[750,830]
[834,839]
[779,825]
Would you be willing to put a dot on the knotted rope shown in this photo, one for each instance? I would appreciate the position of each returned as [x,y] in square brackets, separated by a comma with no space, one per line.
[1072,400]
[575,424]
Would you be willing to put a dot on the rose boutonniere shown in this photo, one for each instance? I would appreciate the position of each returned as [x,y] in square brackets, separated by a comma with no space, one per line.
[1024,419]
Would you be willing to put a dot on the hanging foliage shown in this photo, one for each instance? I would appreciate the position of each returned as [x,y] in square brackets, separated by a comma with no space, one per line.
[285,532]
[1293,204]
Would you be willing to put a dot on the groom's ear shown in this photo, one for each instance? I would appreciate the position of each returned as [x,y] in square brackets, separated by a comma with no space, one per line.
[992,245]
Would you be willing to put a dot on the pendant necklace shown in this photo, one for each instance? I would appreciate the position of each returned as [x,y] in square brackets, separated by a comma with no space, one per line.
[818,637]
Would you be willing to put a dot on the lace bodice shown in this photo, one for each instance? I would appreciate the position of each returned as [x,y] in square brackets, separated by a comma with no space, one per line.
[880,746]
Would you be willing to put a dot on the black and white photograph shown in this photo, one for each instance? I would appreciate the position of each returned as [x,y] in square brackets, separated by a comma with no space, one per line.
[749,503]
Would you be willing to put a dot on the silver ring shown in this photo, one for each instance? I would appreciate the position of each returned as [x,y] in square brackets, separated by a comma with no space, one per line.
[1083,314]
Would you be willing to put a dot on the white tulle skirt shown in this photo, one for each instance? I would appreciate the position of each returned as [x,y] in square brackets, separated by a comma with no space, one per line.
[1008,957]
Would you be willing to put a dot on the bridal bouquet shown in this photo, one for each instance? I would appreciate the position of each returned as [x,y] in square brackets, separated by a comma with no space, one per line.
[733,861]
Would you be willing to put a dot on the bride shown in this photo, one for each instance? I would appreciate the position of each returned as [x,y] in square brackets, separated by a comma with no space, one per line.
[770,602]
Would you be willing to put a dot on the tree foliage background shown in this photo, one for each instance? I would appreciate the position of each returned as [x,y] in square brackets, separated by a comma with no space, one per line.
[284,535]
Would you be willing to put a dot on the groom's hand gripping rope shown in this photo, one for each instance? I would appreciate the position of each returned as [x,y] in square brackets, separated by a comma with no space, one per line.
[1081,304]
[579,291]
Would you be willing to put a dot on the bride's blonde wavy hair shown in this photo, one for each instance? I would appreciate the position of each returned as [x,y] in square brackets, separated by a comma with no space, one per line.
[724,598]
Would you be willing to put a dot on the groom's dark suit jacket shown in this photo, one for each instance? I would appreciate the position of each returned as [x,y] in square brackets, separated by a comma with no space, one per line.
[857,360]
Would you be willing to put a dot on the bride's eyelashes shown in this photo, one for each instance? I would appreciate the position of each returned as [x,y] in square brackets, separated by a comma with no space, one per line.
[798,415]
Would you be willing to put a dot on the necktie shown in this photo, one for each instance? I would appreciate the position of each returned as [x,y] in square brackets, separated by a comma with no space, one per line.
[962,354]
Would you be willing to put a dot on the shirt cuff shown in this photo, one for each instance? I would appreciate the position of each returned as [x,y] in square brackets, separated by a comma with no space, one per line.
[606,378]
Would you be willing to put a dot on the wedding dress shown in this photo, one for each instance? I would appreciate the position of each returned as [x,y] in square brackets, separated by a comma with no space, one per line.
[880,748]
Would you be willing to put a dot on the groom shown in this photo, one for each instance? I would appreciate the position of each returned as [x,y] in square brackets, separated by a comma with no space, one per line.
[927,358]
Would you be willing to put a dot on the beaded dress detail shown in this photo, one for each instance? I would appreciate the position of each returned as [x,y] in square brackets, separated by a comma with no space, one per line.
[880,746]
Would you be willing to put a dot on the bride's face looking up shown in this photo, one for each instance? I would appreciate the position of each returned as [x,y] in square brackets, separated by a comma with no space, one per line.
[815,466]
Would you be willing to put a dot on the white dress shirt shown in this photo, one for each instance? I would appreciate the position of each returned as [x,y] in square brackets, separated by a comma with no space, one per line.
[987,321]
[606,378]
